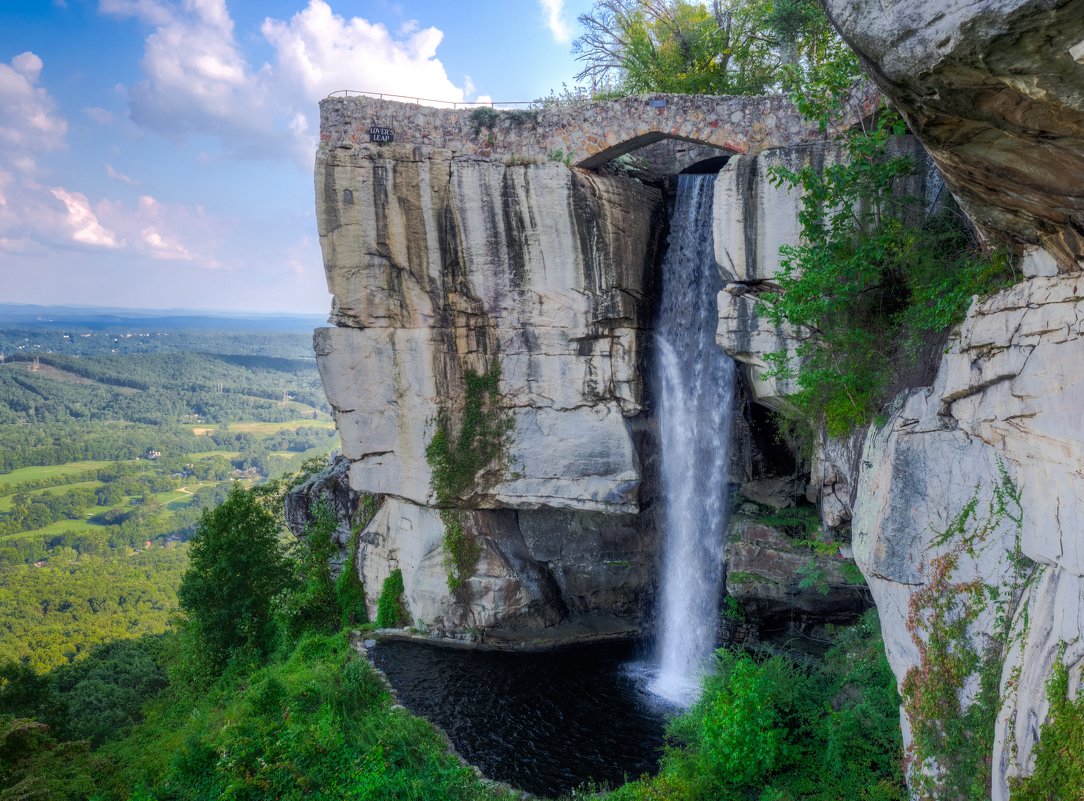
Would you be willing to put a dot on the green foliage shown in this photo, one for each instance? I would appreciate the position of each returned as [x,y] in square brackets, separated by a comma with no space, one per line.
[461,551]
[733,610]
[312,603]
[812,576]
[56,613]
[237,568]
[872,278]
[483,118]
[951,739]
[391,611]
[746,577]
[735,47]
[315,722]
[769,727]
[349,590]
[1059,755]
[558,154]
[456,453]
[802,522]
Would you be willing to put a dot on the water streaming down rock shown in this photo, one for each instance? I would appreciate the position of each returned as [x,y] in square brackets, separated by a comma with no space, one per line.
[695,386]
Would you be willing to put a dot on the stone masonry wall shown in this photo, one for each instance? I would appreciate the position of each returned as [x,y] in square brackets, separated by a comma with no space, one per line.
[586,135]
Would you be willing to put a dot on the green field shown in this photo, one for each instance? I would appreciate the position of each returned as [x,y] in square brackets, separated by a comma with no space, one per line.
[6,500]
[34,473]
[264,429]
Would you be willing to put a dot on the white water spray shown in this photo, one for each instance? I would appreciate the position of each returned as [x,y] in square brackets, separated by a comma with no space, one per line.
[695,385]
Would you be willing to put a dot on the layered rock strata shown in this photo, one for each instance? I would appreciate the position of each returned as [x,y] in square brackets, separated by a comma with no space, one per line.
[995,91]
[446,268]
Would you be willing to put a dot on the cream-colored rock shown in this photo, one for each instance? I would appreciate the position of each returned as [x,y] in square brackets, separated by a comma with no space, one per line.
[1007,393]
[748,336]
[550,446]
[381,385]
[407,537]
[442,265]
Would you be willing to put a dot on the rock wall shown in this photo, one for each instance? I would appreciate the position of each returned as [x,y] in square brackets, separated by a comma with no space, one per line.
[993,88]
[583,133]
[445,266]
[1007,393]
[995,92]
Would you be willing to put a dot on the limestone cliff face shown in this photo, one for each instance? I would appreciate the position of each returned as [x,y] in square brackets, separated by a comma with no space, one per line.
[443,266]
[995,91]
[1008,393]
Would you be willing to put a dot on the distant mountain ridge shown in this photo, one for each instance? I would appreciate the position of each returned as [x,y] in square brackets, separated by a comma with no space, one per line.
[91,317]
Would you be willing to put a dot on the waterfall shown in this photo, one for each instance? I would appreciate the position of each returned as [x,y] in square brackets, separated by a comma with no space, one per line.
[694,381]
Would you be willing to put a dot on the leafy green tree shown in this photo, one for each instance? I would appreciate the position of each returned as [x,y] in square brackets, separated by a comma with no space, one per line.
[874,275]
[237,568]
[681,46]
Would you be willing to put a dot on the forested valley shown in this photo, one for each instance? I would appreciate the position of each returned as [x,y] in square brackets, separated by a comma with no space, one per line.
[116,434]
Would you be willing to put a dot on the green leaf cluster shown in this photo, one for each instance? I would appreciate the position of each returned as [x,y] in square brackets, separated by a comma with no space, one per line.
[237,568]
[730,47]
[873,278]
[771,727]
[391,609]
[461,551]
[1058,774]
[459,449]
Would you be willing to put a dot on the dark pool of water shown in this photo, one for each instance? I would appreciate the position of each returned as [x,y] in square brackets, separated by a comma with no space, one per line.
[546,723]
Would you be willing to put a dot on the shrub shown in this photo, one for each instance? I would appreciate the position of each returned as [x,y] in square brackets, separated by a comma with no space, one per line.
[391,608]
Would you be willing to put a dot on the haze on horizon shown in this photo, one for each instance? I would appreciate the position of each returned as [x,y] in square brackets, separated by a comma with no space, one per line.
[171,168]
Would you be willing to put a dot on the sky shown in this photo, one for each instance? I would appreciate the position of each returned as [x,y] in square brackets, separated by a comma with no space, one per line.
[159,153]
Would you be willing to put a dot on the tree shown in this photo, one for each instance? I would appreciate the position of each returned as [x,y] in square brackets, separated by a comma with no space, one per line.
[237,568]
[731,47]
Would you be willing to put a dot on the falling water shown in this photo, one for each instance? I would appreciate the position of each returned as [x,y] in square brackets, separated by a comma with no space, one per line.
[695,384]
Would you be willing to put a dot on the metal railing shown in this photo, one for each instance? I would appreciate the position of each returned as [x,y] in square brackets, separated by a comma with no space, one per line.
[419,100]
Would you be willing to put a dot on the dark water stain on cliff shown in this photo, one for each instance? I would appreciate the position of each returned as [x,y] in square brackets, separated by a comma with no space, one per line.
[545,722]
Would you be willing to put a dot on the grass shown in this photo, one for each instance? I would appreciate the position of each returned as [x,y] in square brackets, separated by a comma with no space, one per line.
[263,429]
[49,471]
[6,500]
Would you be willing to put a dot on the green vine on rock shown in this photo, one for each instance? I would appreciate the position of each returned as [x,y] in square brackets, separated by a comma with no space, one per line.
[875,276]
[1059,754]
[391,611]
[461,551]
[952,734]
[456,453]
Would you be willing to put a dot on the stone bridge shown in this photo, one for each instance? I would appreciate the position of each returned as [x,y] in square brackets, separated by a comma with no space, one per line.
[586,134]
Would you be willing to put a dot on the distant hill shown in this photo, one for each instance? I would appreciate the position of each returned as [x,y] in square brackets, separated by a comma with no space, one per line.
[105,318]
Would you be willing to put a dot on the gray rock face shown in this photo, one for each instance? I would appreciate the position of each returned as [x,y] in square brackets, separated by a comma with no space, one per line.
[331,486]
[994,90]
[765,573]
[1008,392]
[753,218]
[443,266]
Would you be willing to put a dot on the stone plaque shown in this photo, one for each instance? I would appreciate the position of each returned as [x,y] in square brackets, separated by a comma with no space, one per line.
[657,102]
[378,133]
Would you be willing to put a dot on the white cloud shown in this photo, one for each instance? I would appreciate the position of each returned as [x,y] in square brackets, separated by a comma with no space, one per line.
[117,175]
[99,115]
[29,121]
[83,222]
[197,79]
[164,231]
[555,21]
[150,11]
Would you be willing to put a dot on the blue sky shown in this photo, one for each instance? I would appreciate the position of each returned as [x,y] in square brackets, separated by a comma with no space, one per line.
[158,153]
